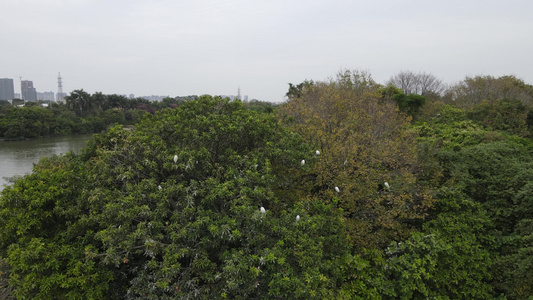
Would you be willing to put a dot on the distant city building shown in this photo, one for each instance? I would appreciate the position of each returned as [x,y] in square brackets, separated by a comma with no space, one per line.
[28,91]
[7,90]
[236,97]
[46,96]
[17,96]
[153,98]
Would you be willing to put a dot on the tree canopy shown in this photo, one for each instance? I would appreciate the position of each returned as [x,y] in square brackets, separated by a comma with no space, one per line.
[172,209]
[348,190]
[364,142]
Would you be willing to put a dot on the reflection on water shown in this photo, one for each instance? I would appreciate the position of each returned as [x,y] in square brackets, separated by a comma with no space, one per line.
[18,157]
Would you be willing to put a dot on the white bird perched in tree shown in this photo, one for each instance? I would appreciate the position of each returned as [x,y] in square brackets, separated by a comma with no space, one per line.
[317,152]
[386,184]
[175,158]
[297,218]
[159,187]
[337,189]
[303,162]
[263,210]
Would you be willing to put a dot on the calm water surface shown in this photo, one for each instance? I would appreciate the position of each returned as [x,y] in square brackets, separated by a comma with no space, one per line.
[18,157]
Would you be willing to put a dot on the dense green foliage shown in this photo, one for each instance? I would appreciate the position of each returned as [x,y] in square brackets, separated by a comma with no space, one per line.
[493,170]
[36,121]
[82,113]
[127,218]
[498,175]
[448,258]
[368,191]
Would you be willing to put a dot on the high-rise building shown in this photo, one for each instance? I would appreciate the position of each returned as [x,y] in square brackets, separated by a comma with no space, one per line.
[28,91]
[46,96]
[7,89]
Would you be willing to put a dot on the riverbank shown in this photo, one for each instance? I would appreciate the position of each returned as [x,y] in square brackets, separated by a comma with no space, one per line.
[18,157]
[50,136]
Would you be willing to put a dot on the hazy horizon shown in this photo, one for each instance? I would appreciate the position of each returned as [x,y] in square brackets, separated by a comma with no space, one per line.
[180,48]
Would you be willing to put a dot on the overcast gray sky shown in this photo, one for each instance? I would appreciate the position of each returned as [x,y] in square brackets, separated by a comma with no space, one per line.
[179,48]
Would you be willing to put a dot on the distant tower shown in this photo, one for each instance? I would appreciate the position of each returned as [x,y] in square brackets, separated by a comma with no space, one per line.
[21,91]
[59,96]
[239,93]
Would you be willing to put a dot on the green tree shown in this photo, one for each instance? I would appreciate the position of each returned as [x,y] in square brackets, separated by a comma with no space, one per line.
[99,101]
[410,104]
[295,91]
[505,114]
[26,122]
[117,101]
[498,175]
[78,101]
[449,259]
[171,210]
[113,116]
[260,106]
[474,90]
[492,169]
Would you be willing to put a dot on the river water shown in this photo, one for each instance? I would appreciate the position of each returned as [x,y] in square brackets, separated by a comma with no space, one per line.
[18,157]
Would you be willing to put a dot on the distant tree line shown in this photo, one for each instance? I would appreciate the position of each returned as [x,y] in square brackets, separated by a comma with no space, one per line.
[81,113]
[85,113]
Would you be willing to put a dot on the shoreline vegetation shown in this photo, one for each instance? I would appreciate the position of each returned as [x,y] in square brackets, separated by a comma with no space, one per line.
[349,189]
[82,113]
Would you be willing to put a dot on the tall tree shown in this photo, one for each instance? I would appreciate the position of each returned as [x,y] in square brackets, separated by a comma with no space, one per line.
[117,101]
[78,101]
[99,101]
[363,143]
[418,83]
[474,90]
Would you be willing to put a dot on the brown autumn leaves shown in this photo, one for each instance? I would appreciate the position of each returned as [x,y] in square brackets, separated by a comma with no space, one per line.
[364,141]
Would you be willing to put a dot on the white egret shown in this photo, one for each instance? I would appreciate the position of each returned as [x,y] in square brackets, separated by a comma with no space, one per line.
[263,210]
[297,218]
[159,187]
[337,189]
[175,158]
[317,152]
[386,184]
[303,162]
